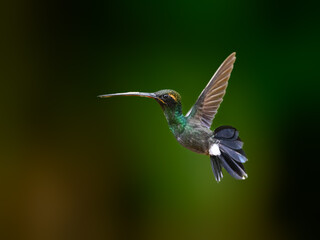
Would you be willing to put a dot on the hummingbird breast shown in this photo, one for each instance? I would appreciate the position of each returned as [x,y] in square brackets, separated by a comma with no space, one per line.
[196,138]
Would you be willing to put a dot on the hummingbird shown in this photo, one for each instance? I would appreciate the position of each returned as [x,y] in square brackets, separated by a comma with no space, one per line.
[223,145]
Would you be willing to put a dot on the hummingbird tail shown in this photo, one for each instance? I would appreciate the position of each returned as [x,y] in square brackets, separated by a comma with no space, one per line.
[226,151]
[216,168]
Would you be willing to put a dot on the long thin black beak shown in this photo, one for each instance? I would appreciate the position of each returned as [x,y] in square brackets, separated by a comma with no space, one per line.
[140,94]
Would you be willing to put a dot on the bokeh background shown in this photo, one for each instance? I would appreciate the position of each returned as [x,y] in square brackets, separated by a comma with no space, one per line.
[77,167]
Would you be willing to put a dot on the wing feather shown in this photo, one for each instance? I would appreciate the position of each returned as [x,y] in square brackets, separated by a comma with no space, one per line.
[206,107]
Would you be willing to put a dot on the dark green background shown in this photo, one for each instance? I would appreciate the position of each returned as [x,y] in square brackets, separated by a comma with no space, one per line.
[77,167]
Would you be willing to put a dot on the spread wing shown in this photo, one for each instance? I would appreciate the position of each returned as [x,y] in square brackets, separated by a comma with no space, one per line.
[210,98]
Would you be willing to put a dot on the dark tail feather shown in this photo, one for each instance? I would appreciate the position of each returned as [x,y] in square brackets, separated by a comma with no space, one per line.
[230,154]
[216,168]
[235,169]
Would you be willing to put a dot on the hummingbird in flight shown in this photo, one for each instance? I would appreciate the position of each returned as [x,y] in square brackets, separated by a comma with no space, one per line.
[192,130]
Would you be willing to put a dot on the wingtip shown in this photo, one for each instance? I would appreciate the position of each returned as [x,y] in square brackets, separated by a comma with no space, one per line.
[230,59]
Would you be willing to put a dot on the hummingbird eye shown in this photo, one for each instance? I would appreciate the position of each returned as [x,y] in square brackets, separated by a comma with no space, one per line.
[165,96]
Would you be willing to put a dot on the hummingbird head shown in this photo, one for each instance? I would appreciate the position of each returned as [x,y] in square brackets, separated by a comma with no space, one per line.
[168,99]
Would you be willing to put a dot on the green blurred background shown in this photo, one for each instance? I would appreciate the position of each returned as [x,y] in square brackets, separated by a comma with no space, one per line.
[77,167]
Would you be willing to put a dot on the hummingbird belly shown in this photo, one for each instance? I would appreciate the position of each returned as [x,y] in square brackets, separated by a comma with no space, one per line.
[196,138]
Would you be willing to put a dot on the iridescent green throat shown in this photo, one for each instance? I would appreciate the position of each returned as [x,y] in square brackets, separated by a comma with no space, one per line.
[176,120]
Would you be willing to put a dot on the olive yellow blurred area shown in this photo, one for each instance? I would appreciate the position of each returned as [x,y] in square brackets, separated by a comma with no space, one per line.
[73,166]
